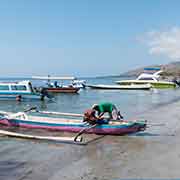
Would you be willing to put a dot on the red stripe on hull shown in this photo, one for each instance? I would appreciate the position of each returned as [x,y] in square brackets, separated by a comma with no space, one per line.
[63,90]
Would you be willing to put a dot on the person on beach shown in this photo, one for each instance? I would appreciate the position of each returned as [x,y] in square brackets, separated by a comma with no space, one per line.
[44,94]
[91,118]
[19,98]
[109,108]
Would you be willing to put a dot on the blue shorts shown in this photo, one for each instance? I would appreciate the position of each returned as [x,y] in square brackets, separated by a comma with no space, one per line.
[102,121]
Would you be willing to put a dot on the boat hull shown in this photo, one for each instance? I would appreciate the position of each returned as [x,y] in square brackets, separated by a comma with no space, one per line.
[118,128]
[158,84]
[63,90]
[122,87]
[24,97]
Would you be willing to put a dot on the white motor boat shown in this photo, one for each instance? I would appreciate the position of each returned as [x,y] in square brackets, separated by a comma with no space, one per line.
[121,87]
[147,78]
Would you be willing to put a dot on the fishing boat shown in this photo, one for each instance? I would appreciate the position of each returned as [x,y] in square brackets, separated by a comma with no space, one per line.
[148,78]
[22,90]
[22,119]
[79,83]
[121,87]
[55,87]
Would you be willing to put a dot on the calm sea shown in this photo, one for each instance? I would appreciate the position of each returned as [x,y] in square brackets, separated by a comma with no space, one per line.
[32,160]
[130,102]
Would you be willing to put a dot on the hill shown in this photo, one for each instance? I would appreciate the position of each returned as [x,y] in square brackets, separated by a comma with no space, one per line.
[171,69]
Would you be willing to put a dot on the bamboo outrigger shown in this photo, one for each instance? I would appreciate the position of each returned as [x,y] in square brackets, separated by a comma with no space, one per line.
[48,138]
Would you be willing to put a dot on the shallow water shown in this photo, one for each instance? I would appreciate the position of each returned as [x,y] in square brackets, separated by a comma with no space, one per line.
[103,156]
[130,102]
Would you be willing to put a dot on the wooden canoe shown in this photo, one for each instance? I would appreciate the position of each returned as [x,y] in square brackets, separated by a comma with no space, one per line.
[70,125]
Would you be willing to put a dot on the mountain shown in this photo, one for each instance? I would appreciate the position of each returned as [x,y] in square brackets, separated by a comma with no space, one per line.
[171,69]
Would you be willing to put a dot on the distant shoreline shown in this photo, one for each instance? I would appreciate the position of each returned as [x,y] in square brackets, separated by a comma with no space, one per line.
[171,69]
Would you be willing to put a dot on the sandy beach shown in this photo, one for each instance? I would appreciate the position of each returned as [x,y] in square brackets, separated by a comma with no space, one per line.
[150,154]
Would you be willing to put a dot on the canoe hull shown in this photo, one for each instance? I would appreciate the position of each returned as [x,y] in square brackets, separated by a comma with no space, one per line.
[105,129]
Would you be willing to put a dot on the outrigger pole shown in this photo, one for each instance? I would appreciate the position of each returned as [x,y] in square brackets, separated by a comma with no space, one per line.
[48,138]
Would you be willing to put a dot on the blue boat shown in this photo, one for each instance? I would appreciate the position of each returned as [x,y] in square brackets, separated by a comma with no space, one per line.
[20,91]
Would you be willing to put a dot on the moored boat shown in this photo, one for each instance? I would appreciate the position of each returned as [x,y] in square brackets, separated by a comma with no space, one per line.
[79,83]
[56,87]
[121,87]
[21,119]
[20,91]
[153,79]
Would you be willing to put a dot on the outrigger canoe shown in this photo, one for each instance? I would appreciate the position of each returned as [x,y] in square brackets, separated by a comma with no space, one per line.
[21,119]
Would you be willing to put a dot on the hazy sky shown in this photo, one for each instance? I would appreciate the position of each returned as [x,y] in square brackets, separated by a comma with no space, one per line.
[86,37]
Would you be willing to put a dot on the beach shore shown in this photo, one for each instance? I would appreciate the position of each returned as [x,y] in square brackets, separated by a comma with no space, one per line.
[154,153]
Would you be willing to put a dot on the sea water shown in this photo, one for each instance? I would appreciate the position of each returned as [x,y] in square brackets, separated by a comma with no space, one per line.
[26,159]
[130,102]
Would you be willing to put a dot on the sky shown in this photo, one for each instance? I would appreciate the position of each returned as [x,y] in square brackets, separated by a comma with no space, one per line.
[86,37]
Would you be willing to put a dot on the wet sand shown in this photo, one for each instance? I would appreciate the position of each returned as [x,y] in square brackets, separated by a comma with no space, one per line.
[154,153]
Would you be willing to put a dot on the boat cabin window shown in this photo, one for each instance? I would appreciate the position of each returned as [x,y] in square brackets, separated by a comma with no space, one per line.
[4,87]
[146,79]
[19,87]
